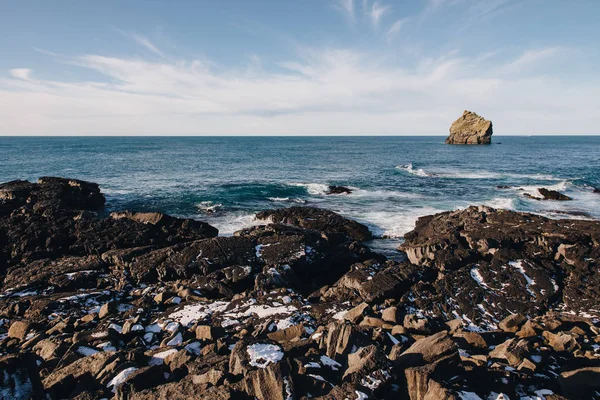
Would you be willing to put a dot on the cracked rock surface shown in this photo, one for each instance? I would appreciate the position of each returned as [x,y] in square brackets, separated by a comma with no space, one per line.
[490,304]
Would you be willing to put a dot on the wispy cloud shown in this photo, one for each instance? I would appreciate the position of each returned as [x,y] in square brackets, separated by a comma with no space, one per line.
[377,12]
[396,27]
[142,41]
[346,7]
[322,91]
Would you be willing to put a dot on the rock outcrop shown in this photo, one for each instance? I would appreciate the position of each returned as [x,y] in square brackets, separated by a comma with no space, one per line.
[470,128]
[490,304]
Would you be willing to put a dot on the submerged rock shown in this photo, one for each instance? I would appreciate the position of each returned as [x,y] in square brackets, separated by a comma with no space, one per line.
[548,194]
[470,128]
[338,190]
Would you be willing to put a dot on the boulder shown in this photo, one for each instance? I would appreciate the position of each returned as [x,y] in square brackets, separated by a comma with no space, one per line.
[470,128]
[318,219]
[338,190]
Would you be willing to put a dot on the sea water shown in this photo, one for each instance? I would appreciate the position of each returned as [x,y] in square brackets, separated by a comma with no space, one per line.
[394,180]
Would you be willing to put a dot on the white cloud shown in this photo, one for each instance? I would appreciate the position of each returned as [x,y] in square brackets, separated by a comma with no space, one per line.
[144,41]
[396,27]
[325,91]
[20,73]
[377,12]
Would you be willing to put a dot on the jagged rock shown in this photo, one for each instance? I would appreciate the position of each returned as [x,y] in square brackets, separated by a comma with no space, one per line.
[317,219]
[512,323]
[560,341]
[338,190]
[428,350]
[512,351]
[61,383]
[489,256]
[549,195]
[18,329]
[355,315]
[470,128]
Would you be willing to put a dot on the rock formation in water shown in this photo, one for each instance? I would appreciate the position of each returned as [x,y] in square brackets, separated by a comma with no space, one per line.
[148,306]
[548,194]
[470,128]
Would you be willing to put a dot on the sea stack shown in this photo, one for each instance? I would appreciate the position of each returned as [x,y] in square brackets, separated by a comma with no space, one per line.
[470,128]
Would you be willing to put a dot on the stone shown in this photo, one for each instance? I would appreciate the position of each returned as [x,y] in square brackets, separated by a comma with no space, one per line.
[415,324]
[390,315]
[338,190]
[107,309]
[18,329]
[428,350]
[560,341]
[512,323]
[512,351]
[318,219]
[355,314]
[211,377]
[470,128]
[372,322]
[290,334]
[204,332]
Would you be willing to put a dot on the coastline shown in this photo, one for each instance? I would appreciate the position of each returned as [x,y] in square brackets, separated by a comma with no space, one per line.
[144,305]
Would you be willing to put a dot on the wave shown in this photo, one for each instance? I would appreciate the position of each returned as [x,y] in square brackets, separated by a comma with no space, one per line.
[312,188]
[393,224]
[232,222]
[470,174]
[287,200]
[209,207]
[501,203]
[411,170]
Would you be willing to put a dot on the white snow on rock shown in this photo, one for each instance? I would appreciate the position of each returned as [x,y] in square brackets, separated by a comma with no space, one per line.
[262,355]
[159,358]
[331,363]
[192,313]
[120,378]
[476,275]
[519,266]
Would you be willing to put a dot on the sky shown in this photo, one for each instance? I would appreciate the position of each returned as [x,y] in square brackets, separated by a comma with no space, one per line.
[311,67]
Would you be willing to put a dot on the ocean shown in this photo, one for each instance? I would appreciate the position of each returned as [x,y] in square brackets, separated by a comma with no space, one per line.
[226,180]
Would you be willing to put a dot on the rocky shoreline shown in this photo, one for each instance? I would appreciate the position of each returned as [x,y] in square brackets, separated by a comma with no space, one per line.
[490,304]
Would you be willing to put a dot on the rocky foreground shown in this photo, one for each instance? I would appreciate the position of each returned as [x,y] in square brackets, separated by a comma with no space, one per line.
[490,304]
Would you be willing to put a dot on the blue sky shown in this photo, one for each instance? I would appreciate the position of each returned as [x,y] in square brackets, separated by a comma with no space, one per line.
[328,67]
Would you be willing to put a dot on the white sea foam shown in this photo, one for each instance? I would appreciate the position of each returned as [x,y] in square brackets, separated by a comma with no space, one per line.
[231,222]
[287,200]
[208,207]
[454,173]
[411,170]
[313,188]
[393,223]
[501,202]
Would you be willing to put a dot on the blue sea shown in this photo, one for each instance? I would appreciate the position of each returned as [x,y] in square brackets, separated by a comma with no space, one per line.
[226,180]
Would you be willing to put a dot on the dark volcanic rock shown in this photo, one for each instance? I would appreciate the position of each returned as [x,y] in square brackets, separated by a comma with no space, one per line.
[317,219]
[489,257]
[548,195]
[51,193]
[338,190]
[492,304]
